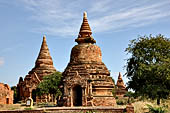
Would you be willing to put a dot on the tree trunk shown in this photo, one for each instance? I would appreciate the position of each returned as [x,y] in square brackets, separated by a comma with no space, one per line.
[158,101]
[52,98]
[55,102]
[128,100]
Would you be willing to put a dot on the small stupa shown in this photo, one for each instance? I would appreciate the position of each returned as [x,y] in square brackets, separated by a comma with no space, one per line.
[86,79]
[121,88]
[43,67]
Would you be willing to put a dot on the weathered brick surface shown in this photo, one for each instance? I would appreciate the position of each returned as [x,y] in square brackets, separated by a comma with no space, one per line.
[86,52]
[87,71]
[43,66]
[6,94]
[104,101]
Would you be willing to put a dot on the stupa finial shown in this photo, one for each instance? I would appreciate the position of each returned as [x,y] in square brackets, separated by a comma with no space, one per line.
[44,38]
[120,76]
[85,32]
[85,14]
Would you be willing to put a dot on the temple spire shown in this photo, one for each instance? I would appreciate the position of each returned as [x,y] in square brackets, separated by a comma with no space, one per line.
[85,32]
[44,51]
[44,61]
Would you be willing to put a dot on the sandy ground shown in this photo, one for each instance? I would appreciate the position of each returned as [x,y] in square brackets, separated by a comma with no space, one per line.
[140,106]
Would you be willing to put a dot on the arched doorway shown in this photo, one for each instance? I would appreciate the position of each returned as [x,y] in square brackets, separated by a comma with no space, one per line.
[77,96]
[34,95]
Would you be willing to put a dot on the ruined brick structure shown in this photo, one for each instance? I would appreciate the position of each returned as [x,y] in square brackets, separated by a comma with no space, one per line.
[121,89]
[87,80]
[6,94]
[43,66]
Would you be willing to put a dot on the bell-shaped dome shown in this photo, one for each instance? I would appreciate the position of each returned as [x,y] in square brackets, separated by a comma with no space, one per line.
[86,53]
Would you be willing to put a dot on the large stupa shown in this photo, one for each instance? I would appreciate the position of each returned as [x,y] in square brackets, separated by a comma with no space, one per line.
[86,79]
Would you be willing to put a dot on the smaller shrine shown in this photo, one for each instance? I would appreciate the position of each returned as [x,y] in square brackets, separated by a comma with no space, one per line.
[6,94]
[121,88]
[43,67]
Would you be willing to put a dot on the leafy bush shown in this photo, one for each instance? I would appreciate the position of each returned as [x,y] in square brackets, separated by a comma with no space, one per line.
[28,108]
[160,109]
[121,101]
[90,112]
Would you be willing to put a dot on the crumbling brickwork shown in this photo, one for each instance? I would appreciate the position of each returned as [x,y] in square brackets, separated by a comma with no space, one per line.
[6,94]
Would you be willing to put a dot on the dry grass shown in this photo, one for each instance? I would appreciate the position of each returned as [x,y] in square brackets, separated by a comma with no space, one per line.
[10,106]
[141,106]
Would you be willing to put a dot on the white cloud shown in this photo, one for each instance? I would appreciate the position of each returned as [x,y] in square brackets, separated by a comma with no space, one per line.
[63,18]
[1,61]
[100,6]
[131,17]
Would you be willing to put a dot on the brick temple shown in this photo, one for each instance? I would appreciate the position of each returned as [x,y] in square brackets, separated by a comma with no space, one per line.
[43,67]
[6,94]
[87,81]
[121,88]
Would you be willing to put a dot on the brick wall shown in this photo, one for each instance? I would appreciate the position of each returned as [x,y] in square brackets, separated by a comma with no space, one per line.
[6,94]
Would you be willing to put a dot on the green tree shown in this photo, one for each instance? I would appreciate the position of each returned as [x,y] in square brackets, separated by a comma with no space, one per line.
[148,68]
[50,85]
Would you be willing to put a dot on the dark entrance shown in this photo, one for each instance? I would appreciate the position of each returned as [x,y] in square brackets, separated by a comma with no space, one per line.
[77,96]
[34,95]
[7,100]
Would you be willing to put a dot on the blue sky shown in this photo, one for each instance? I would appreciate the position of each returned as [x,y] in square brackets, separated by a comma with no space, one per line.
[113,23]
